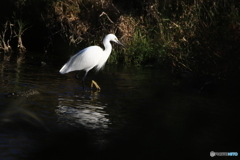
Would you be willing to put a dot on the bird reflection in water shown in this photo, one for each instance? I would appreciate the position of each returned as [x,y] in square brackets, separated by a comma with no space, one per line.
[80,110]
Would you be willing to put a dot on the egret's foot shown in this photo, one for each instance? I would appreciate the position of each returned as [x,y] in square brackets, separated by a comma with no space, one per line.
[96,85]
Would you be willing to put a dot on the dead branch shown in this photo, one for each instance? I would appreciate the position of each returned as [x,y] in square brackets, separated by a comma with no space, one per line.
[103,13]
[4,44]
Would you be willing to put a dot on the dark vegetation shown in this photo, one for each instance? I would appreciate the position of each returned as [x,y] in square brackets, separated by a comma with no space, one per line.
[200,36]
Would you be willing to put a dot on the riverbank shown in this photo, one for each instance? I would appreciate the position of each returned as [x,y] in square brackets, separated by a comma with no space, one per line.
[201,37]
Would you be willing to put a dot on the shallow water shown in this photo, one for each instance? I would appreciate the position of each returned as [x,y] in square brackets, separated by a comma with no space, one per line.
[139,112]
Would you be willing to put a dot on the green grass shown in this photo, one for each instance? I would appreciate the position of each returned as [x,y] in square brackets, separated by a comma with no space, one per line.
[199,36]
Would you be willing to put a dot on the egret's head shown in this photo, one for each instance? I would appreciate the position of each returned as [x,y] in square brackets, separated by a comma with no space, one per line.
[112,37]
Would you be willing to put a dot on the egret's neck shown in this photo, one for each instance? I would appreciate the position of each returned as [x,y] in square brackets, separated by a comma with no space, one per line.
[108,46]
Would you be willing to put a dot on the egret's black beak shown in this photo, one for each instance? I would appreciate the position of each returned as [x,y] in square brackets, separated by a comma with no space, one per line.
[118,42]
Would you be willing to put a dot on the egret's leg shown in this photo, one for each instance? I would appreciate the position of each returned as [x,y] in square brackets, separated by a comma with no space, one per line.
[83,85]
[83,79]
[77,75]
[96,85]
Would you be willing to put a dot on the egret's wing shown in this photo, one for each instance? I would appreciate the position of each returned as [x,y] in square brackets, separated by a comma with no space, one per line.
[69,66]
[85,59]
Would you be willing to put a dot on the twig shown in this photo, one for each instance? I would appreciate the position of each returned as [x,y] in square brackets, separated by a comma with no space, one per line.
[115,8]
[180,62]
[103,13]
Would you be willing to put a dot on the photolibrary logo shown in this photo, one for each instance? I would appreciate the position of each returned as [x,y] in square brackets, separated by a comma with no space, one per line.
[212,154]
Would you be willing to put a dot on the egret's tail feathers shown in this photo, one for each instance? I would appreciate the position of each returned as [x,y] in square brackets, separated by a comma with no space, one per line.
[64,69]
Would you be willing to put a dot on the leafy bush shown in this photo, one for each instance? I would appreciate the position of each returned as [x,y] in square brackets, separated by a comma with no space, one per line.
[200,36]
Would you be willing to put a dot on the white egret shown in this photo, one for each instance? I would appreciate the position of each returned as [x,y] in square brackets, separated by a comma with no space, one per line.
[90,57]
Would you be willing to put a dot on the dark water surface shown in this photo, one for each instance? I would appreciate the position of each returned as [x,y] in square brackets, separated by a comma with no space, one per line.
[140,113]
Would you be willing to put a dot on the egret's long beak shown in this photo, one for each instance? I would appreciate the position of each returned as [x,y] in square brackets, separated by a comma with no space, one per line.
[118,42]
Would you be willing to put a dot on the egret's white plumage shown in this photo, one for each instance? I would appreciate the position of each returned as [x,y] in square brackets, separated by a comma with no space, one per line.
[85,59]
[90,57]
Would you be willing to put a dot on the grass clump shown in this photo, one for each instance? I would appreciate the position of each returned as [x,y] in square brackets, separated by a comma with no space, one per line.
[201,36]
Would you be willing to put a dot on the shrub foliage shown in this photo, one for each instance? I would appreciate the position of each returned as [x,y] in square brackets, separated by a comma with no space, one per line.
[201,36]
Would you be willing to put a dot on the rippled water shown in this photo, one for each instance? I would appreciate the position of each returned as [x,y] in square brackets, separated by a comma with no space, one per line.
[139,113]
